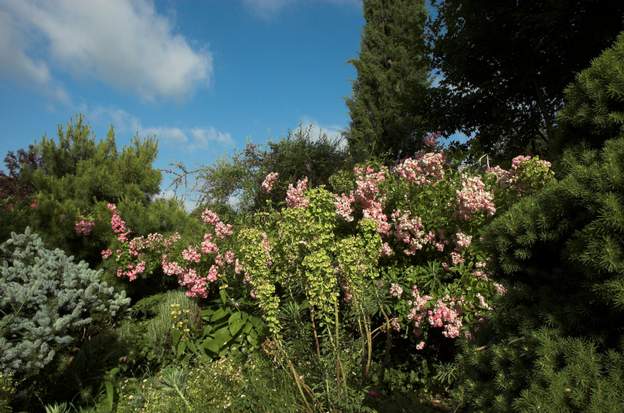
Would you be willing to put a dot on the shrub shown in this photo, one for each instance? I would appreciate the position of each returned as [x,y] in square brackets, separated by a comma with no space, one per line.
[560,252]
[383,277]
[343,279]
[594,102]
[47,301]
[299,154]
[232,384]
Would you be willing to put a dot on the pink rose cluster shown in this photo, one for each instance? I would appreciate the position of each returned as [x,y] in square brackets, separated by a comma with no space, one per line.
[118,224]
[512,176]
[269,182]
[462,240]
[444,313]
[344,206]
[368,194]
[425,168]
[295,195]
[418,310]
[410,231]
[396,290]
[474,198]
[447,316]
[131,271]
[84,227]
[189,274]
[189,269]
[191,254]
[221,230]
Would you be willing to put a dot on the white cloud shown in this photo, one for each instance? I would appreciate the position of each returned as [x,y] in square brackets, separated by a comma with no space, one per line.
[204,137]
[266,8]
[124,43]
[16,64]
[174,135]
[333,132]
[123,121]
[269,8]
[189,138]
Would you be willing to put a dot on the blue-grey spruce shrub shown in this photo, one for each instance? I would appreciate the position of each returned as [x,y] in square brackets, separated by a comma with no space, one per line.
[46,301]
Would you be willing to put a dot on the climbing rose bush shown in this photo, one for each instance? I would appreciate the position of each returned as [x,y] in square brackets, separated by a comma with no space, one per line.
[199,265]
[400,249]
[407,228]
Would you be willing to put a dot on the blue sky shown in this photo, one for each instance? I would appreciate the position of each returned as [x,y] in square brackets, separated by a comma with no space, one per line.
[204,77]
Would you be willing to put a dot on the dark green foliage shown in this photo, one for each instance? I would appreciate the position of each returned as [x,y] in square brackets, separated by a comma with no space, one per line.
[561,252]
[569,231]
[571,375]
[505,65]
[388,107]
[14,188]
[73,178]
[594,108]
[542,371]
[234,185]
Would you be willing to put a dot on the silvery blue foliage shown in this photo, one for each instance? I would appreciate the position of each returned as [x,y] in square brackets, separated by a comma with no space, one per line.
[46,300]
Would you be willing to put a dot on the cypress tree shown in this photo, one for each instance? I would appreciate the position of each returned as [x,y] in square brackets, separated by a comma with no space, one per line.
[390,92]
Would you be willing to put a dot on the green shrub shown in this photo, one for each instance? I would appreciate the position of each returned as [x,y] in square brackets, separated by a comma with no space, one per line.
[561,252]
[594,102]
[47,301]
[297,155]
[231,384]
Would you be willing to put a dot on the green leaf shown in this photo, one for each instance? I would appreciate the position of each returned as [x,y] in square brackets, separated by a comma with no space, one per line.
[219,314]
[252,338]
[223,295]
[181,347]
[220,339]
[236,322]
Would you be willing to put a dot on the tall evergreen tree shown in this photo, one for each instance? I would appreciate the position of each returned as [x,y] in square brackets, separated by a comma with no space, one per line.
[390,92]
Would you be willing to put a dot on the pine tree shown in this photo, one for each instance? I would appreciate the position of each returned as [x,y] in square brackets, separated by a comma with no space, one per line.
[594,108]
[74,176]
[389,96]
[556,341]
[559,327]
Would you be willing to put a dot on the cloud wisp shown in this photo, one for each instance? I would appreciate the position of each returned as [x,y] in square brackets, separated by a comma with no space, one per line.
[123,43]
[333,132]
[187,138]
[266,9]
